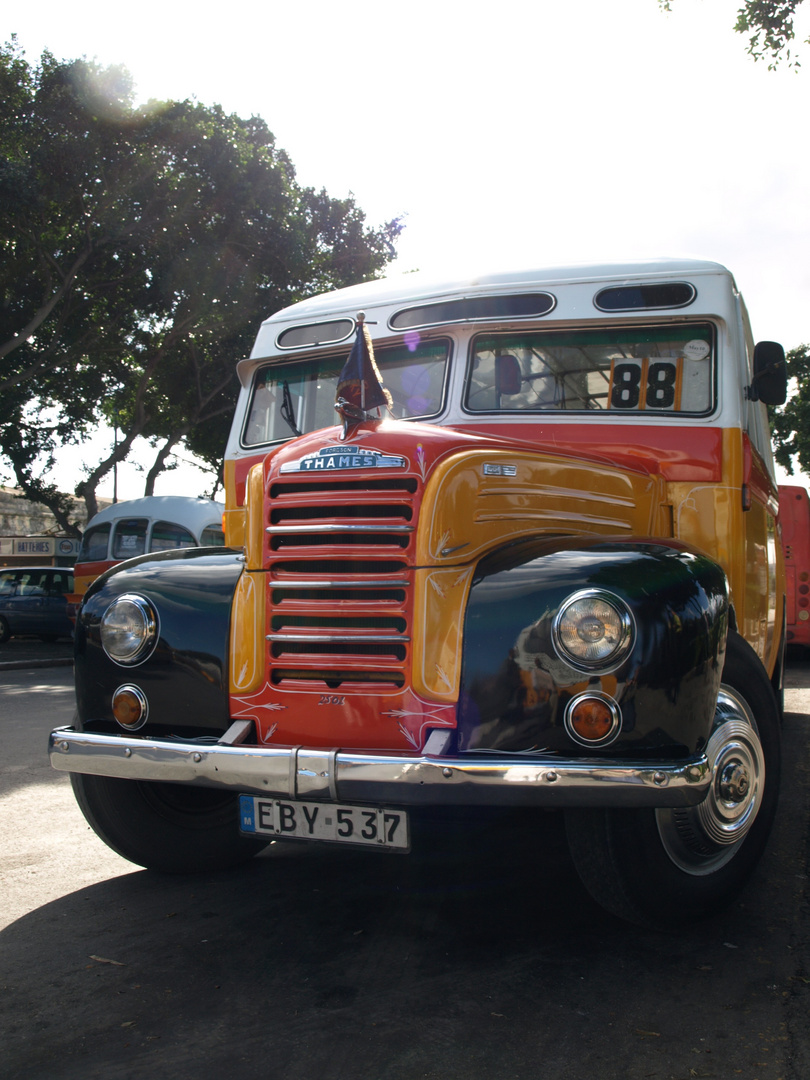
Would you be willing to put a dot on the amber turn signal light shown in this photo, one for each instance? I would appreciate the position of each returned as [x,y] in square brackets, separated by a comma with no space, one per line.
[129,707]
[592,719]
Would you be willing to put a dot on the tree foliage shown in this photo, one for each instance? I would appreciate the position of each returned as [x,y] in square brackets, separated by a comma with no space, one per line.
[768,25]
[790,425]
[141,247]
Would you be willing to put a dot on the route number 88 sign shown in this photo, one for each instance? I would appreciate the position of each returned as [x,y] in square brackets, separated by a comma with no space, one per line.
[646,384]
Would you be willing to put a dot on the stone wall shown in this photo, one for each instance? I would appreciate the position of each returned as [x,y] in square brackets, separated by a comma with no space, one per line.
[19,517]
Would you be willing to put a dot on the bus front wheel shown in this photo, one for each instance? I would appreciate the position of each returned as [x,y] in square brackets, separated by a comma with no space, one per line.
[661,868]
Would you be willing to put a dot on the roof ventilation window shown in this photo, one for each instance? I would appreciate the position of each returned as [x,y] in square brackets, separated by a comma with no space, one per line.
[324,333]
[518,306]
[670,294]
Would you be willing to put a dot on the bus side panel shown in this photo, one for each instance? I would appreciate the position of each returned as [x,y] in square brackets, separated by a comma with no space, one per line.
[794,517]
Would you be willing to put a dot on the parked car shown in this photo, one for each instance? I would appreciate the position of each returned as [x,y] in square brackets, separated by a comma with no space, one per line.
[33,600]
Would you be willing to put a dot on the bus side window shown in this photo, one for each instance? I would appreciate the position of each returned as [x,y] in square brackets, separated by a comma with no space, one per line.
[212,536]
[166,536]
[130,538]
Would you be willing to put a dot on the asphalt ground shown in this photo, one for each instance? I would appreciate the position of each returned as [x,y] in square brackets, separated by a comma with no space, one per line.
[477,957]
[30,652]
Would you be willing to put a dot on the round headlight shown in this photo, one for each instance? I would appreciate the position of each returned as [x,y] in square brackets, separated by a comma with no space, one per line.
[593,631]
[129,630]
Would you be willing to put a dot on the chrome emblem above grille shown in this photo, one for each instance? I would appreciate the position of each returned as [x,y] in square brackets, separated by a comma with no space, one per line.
[334,458]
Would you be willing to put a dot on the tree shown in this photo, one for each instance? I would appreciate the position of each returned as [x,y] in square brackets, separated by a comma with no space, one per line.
[769,26]
[141,248]
[68,269]
[790,426]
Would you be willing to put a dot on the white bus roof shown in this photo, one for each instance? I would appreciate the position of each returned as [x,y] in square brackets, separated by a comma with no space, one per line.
[420,285]
[193,514]
[379,298]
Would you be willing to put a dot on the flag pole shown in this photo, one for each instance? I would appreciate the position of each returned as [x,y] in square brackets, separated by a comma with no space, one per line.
[361,329]
[359,386]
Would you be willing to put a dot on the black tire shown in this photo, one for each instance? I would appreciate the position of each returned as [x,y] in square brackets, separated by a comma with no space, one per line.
[173,828]
[5,632]
[664,868]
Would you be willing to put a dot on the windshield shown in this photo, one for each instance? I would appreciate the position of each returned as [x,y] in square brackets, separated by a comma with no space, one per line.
[649,369]
[295,397]
[95,543]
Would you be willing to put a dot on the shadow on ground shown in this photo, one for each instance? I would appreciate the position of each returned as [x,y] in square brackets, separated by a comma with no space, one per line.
[479,955]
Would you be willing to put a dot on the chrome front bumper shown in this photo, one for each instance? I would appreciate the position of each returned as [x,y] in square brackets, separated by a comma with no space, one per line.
[385,778]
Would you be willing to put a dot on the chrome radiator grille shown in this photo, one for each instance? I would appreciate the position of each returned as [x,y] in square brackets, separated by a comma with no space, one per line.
[340,558]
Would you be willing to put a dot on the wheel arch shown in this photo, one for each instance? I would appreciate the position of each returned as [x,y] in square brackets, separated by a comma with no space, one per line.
[515,685]
[185,678]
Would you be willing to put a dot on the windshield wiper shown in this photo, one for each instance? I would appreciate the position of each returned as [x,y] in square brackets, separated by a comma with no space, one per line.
[287,410]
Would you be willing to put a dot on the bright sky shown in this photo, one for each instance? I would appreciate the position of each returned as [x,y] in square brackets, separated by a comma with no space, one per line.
[518,133]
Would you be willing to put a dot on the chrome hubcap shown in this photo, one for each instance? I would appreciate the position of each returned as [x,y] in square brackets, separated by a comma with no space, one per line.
[734,783]
[701,839]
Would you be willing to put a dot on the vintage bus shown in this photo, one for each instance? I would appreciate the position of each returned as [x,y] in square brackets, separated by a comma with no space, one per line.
[506,539]
[140,526]
[794,517]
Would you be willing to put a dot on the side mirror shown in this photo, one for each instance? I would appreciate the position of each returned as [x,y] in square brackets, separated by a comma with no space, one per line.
[770,374]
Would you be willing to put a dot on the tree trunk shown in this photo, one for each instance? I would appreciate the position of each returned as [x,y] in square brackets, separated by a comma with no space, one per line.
[159,464]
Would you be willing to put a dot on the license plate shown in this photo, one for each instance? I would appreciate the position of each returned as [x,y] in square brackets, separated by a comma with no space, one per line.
[294,820]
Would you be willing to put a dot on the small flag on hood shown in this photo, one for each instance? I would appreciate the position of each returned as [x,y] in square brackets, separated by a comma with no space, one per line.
[360,388]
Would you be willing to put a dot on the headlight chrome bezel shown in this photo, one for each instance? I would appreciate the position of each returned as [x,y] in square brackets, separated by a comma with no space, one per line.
[143,633]
[617,646]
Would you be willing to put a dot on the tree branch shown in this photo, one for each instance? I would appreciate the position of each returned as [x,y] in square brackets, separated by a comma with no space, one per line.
[42,314]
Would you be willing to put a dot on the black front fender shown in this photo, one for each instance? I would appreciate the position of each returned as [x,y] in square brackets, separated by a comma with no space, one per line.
[515,686]
[185,679]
